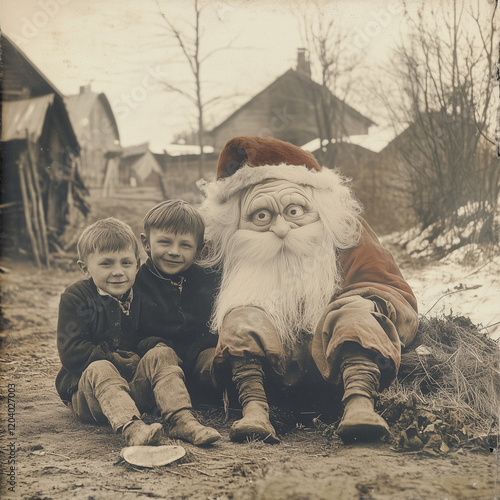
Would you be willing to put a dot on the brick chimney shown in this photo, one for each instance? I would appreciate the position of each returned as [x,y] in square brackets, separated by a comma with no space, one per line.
[303,65]
[85,88]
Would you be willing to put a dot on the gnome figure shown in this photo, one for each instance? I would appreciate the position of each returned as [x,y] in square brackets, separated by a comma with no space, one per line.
[305,282]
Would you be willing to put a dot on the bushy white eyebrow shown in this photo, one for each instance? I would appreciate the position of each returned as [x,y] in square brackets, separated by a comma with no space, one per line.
[262,201]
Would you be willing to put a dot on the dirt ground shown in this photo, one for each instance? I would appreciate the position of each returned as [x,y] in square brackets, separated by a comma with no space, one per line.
[56,457]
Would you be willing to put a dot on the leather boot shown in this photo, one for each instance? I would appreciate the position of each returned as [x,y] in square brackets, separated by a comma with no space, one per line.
[138,433]
[248,377]
[183,425]
[360,422]
[174,402]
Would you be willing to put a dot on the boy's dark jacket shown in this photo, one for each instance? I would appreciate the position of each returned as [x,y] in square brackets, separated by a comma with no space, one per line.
[179,319]
[90,327]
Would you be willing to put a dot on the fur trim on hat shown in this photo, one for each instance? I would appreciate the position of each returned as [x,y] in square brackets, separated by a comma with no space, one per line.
[332,197]
[247,176]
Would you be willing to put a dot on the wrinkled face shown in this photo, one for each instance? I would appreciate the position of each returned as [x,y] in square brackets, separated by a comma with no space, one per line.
[112,272]
[171,253]
[277,206]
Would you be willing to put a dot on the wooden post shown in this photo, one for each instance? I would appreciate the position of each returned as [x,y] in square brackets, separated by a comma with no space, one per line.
[108,184]
[34,209]
[27,209]
[39,199]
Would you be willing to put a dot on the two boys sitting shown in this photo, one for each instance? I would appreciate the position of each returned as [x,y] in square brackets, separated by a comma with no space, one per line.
[123,331]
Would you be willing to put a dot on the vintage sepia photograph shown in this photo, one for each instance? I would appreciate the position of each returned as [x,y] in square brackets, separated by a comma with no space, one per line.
[250,250]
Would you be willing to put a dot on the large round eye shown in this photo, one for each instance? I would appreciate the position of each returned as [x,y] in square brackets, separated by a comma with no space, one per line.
[294,211]
[261,217]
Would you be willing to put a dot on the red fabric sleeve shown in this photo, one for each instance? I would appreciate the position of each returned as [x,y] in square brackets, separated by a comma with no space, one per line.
[370,269]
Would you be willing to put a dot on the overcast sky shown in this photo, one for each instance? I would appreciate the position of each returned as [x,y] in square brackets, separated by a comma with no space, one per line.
[120,47]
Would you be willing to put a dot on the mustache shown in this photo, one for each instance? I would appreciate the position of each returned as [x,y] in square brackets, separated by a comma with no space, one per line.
[262,246]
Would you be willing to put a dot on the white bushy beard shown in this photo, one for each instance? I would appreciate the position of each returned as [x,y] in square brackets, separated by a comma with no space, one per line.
[292,279]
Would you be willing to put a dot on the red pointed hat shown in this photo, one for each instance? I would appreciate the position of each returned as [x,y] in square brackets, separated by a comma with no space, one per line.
[260,151]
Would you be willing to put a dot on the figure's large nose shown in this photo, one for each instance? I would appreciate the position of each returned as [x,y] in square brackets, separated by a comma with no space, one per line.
[280,227]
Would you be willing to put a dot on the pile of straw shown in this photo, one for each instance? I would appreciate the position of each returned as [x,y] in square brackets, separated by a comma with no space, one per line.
[450,373]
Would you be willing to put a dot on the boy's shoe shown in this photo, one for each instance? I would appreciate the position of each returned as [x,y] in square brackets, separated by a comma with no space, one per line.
[183,425]
[138,433]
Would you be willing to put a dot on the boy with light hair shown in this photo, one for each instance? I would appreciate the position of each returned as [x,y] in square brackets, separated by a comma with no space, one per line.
[177,304]
[103,377]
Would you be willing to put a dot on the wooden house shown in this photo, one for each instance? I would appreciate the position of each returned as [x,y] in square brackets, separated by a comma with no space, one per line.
[365,160]
[438,156]
[97,132]
[293,109]
[43,196]
[139,167]
[180,167]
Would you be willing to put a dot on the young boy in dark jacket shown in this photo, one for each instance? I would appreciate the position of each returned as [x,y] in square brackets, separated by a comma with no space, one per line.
[103,378]
[176,308]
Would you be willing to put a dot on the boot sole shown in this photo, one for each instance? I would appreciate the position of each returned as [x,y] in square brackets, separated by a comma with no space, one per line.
[361,433]
[203,441]
[249,433]
[209,440]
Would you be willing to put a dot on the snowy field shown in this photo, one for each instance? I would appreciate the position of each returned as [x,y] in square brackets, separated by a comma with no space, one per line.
[465,283]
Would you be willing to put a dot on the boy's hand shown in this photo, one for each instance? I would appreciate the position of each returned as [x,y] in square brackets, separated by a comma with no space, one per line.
[127,354]
[126,362]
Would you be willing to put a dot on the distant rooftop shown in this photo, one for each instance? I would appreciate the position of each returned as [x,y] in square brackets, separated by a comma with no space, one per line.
[376,139]
[80,108]
[179,149]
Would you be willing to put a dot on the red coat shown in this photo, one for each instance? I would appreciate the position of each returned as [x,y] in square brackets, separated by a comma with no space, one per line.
[375,308]
[370,272]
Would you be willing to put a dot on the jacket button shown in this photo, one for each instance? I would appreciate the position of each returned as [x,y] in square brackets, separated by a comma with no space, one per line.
[117,323]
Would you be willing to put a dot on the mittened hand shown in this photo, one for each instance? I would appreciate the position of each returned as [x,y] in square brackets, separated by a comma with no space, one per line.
[128,354]
[126,362]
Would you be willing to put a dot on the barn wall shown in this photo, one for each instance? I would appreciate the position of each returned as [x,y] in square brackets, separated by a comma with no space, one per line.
[98,136]
[19,74]
[181,174]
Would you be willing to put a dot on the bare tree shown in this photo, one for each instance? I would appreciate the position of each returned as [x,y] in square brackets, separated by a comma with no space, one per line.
[189,41]
[444,74]
[336,66]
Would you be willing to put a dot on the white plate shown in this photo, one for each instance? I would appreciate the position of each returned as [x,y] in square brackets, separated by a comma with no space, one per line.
[152,456]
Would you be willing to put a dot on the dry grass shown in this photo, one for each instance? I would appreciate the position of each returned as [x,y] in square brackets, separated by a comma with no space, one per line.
[447,394]
[451,374]
[453,363]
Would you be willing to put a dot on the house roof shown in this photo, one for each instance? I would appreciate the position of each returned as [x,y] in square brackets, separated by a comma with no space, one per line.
[304,80]
[25,115]
[180,149]
[19,71]
[145,165]
[131,151]
[141,160]
[425,123]
[80,106]
[29,116]
[376,140]
[356,114]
